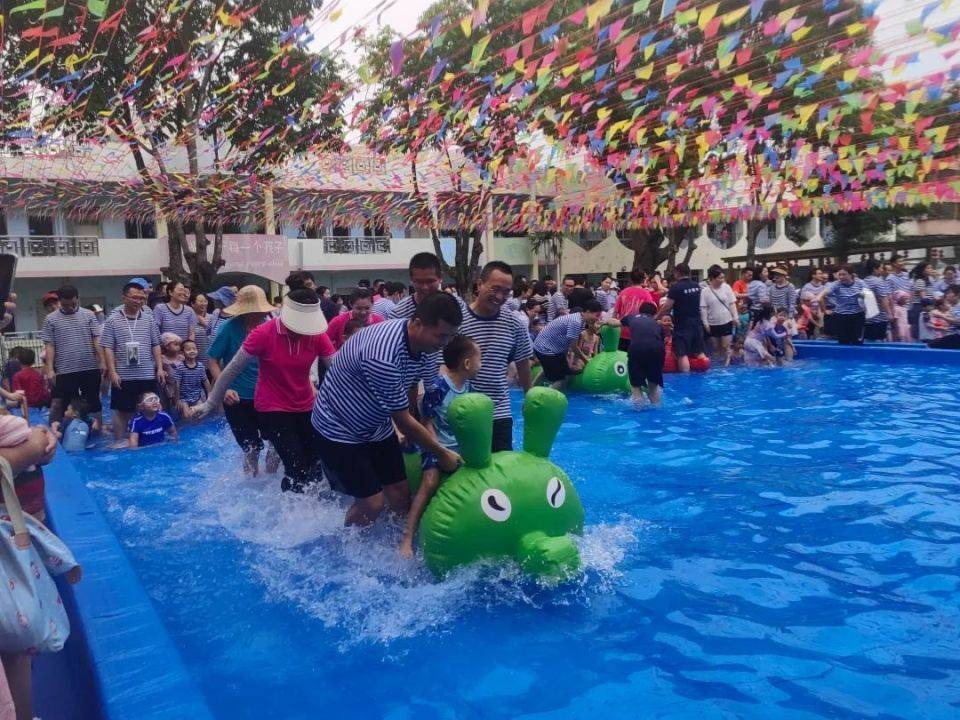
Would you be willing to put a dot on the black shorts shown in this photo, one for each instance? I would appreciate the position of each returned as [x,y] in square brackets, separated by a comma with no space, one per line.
[502,434]
[721,331]
[361,470]
[875,330]
[244,422]
[688,340]
[646,367]
[555,367]
[125,397]
[83,384]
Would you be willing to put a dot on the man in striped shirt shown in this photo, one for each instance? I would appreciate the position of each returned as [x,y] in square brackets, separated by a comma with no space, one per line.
[845,294]
[558,305]
[876,327]
[502,340]
[425,276]
[131,349]
[561,336]
[73,360]
[365,393]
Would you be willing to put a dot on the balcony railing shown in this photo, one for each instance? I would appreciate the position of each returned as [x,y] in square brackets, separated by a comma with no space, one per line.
[50,245]
[369,245]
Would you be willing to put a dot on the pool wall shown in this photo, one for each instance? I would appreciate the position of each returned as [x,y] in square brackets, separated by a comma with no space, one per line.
[884,353]
[119,661]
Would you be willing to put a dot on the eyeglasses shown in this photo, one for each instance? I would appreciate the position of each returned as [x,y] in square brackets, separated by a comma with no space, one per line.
[151,398]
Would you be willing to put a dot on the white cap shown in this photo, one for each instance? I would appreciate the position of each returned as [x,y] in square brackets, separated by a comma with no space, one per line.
[302,318]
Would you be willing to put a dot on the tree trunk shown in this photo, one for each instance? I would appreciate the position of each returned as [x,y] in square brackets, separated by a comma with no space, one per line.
[754,227]
[176,243]
[646,246]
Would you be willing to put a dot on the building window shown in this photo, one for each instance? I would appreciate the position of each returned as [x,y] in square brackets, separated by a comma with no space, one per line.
[370,230]
[40,225]
[341,231]
[723,235]
[3,223]
[797,229]
[767,236]
[589,239]
[136,229]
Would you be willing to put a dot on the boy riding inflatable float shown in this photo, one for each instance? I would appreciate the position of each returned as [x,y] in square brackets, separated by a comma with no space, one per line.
[516,505]
[605,372]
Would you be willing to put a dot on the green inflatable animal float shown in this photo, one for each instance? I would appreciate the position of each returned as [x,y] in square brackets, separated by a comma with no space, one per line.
[516,505]
[606,372]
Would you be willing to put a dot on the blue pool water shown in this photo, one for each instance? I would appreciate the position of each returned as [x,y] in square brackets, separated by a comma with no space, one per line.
[770,543]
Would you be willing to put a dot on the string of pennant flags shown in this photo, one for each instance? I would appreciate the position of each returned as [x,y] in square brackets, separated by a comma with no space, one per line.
[676,112]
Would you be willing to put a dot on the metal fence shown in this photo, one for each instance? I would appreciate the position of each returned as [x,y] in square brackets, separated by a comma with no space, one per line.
[50,245]
[368,245]
[31,340]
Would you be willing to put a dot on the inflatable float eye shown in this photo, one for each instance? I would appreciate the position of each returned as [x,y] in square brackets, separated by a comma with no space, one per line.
[495,505]
[619,369]
[556,492]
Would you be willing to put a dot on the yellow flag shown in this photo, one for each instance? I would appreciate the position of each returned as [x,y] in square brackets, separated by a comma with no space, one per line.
[706,15]
[467,25]
[731,17]
[645,72]
[804,112]
[597,10]
[800,34]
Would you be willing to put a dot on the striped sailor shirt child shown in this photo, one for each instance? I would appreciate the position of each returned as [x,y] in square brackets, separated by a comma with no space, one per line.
[182,323]
[72,336]
[368,382]
[431,365]
[503,339]
[846,298]
[783,296]
[132,341]
[556,336]
[191,381]
[881,290]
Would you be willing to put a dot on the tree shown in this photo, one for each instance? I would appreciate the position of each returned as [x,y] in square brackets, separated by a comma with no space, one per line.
[238,81]
[845,231]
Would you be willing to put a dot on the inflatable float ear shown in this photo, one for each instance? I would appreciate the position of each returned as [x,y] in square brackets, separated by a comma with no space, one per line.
[610,337]
[543,411]
[471,417]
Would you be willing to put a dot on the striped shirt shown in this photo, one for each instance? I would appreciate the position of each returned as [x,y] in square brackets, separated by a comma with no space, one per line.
[120,330]
[383,306]
[784,296]
[72,336]
[606,298]
[368,382]
[203,339]
[556,336]
[180,323]
[502,340]
[900,282]
[557,305]
[881,290]
[190,381]
[757,293]
[846,298]
[405,309]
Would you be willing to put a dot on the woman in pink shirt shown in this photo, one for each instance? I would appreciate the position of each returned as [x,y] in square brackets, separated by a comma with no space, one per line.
[286,348]
[629,302]
[361,306]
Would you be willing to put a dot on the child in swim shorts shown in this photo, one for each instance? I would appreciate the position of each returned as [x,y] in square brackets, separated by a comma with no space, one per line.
[461,363]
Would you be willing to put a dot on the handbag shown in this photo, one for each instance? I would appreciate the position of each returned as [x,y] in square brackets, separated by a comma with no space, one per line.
[32,616]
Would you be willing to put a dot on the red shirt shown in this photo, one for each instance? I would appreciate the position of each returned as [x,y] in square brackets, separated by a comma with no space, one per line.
[283,384]
[34,385]
[628,303]
[740,287]
[339,323]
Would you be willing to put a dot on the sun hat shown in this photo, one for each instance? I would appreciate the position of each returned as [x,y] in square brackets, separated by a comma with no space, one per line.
[302,318]
[142,282]
[780,270]
[50,297]
[250,299]
[225,296]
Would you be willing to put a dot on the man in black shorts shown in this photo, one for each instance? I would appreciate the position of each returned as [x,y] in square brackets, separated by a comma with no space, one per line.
[683,300]
[73,360]
[646,354]
[366,393]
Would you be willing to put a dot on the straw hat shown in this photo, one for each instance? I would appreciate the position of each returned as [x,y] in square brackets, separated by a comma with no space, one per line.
[250,299]
[302,318]
[780,270]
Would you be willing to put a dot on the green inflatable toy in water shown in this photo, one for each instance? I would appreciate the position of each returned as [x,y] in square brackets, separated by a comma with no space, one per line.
[606,372]
[508,504]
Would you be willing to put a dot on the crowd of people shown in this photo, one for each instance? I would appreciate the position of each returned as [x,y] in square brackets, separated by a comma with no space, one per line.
[334,388]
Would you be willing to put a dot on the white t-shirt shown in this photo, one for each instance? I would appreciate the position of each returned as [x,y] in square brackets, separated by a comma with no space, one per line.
[717,304]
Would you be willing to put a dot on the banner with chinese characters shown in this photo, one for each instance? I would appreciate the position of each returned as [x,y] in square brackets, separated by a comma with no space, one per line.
[264,255]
